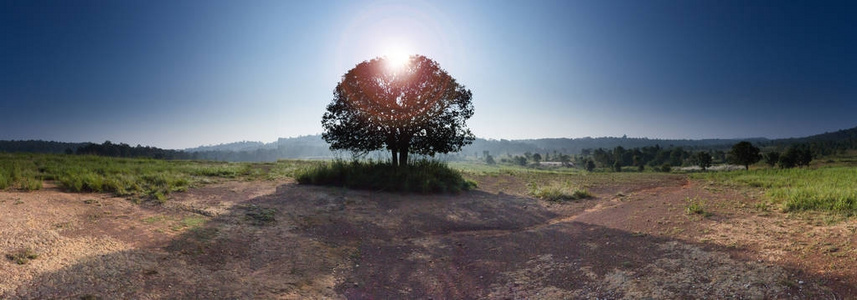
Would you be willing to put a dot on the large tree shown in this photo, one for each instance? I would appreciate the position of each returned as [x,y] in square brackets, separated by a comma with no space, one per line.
[745,154]
[416,107]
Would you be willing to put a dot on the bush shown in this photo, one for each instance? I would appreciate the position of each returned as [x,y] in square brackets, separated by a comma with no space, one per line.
[666,168]
[423,176]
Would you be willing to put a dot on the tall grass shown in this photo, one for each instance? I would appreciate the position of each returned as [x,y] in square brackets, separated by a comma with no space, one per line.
[824,189]
[423,176]
[144,178]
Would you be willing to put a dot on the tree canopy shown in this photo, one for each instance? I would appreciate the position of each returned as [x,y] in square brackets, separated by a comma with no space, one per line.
[415,108]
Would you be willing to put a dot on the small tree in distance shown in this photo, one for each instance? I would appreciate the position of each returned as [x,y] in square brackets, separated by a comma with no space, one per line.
[415,108]
[745,154]
[772,158]
[590,165]
[703,160]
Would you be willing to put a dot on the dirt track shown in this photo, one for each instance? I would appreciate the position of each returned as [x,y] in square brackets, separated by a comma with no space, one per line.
[633,241]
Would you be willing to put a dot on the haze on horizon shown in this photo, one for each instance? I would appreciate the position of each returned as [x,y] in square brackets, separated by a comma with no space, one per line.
[180,74]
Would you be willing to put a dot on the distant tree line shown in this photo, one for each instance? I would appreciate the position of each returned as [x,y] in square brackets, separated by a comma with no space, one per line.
[654,157]
[124,150]
[33,146]
[502,151]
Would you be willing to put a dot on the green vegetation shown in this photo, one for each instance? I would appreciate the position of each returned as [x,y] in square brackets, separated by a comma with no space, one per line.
[422,176]
[696,207]
[823,189]
[558,192]
[128,177]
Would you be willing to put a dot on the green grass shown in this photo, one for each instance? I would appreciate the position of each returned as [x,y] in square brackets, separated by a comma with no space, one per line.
[134,178]
[420,177]
[800,189]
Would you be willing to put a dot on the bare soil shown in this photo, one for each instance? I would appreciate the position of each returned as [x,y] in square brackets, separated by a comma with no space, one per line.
[280,240]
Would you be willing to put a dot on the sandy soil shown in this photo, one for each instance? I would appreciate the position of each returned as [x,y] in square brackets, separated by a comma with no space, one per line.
[279,240]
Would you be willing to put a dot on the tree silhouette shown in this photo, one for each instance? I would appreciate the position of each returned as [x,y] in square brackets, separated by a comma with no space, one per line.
[416,108]
[745,154]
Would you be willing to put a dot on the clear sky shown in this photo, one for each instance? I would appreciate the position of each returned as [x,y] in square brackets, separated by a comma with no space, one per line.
[179,74]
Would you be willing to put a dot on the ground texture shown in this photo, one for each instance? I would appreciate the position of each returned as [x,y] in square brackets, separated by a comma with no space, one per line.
[280,240]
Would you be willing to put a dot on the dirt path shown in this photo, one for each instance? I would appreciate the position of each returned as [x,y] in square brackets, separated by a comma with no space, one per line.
[278,240]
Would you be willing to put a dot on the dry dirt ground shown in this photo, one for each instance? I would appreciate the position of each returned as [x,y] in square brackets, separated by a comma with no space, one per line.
[280,240]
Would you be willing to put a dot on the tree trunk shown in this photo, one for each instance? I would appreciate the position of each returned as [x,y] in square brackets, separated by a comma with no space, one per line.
[403,157]
[395,157]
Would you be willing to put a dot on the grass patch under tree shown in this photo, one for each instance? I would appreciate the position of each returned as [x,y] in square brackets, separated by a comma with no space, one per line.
[423,176]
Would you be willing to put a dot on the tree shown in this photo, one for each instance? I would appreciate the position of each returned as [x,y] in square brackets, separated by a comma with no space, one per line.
[804,157]
[745,154]
[590,165]
[788,160]
[416,108]
[537,158]
[703,160]
[795,157]
[772,158]
[489,160]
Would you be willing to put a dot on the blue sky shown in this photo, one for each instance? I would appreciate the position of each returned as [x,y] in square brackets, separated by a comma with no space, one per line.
[179,74]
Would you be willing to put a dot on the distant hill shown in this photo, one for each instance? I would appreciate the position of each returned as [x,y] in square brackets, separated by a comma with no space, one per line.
[236,146]
[825,144]
[313,147]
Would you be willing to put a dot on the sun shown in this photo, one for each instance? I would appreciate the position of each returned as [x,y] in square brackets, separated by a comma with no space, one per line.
[396,58]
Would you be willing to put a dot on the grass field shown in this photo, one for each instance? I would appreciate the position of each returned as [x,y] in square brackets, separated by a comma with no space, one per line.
[136,178]
[829,188]
[825,189]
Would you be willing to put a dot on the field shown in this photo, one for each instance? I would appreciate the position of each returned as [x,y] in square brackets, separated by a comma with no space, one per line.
[97,228]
